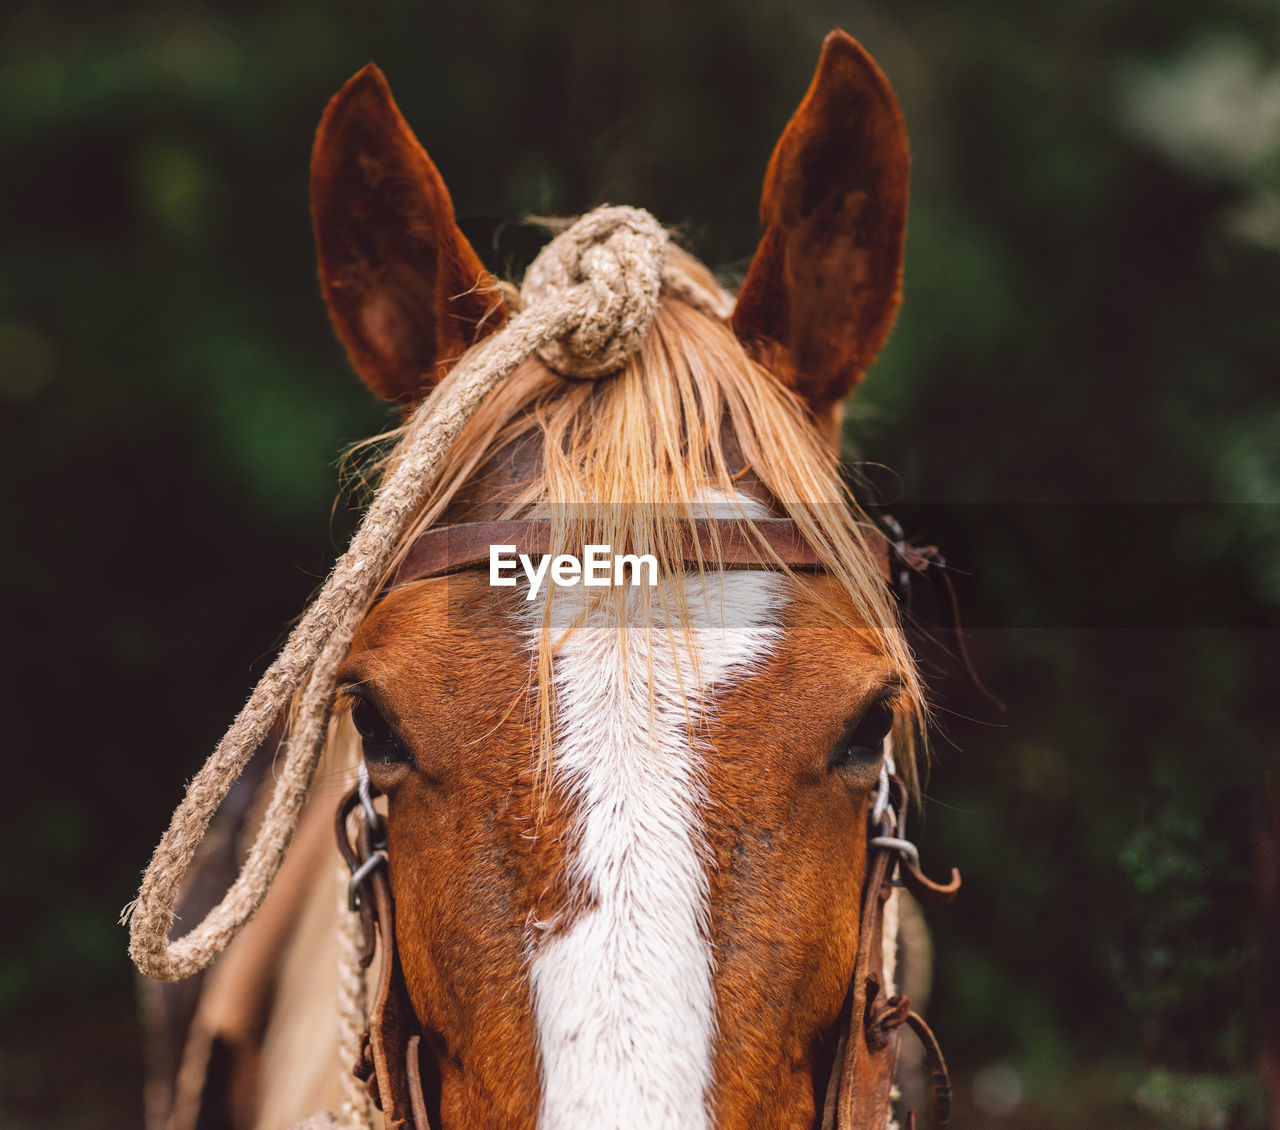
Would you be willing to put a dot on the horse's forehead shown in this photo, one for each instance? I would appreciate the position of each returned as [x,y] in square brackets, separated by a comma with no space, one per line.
[462,630]
[448,615]
[441,643]
[824,659]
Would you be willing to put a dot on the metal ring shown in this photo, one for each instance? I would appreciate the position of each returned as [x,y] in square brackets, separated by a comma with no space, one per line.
[903,847]
[364,788]
[882,794]
[359,875]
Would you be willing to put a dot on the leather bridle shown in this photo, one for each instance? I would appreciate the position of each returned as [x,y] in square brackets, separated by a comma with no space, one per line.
[859,1091]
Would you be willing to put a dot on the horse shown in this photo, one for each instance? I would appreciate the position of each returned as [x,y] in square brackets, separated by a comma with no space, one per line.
[624,841]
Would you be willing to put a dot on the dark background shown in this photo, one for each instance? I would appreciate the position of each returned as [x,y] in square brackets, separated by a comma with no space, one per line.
[1079,404]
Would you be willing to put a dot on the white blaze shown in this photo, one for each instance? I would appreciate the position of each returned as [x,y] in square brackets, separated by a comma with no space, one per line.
[623,998]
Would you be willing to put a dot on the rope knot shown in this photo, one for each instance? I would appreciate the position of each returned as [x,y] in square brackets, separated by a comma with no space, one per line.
[604,272]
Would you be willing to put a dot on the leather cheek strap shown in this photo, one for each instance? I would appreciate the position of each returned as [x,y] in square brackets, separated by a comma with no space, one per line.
[390,1062]
[393,1040]
[860,1089]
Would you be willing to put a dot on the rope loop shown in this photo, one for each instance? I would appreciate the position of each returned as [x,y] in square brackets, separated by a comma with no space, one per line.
[607,268]
[589,300]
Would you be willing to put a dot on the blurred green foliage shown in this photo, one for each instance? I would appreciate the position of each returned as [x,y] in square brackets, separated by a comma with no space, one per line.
[1079,405]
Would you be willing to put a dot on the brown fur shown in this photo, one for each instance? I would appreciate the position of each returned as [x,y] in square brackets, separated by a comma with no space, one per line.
[476,856]
[787,839]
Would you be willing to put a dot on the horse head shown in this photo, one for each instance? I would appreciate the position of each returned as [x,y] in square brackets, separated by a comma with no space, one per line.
[628,847]
[626,821]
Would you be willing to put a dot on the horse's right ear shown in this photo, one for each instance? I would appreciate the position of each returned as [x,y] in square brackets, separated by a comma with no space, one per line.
[406,292]
[825,282]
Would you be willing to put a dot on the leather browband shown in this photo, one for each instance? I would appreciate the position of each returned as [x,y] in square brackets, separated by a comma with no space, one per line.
[712,543]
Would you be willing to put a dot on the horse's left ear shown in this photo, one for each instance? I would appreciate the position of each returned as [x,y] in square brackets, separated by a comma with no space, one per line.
[406,292]
[825,283]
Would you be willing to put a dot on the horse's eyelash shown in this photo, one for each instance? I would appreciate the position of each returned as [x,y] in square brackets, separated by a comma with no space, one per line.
[346,700]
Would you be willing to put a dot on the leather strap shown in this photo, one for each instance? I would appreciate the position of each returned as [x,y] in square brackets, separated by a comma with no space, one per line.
[859,1092]
[396,1084]
[866,1076]
[389,1063]
[709,542]
[939,1077]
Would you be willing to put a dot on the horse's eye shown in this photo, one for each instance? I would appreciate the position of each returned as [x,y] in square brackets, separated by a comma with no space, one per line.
[379,740]
[864,742]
